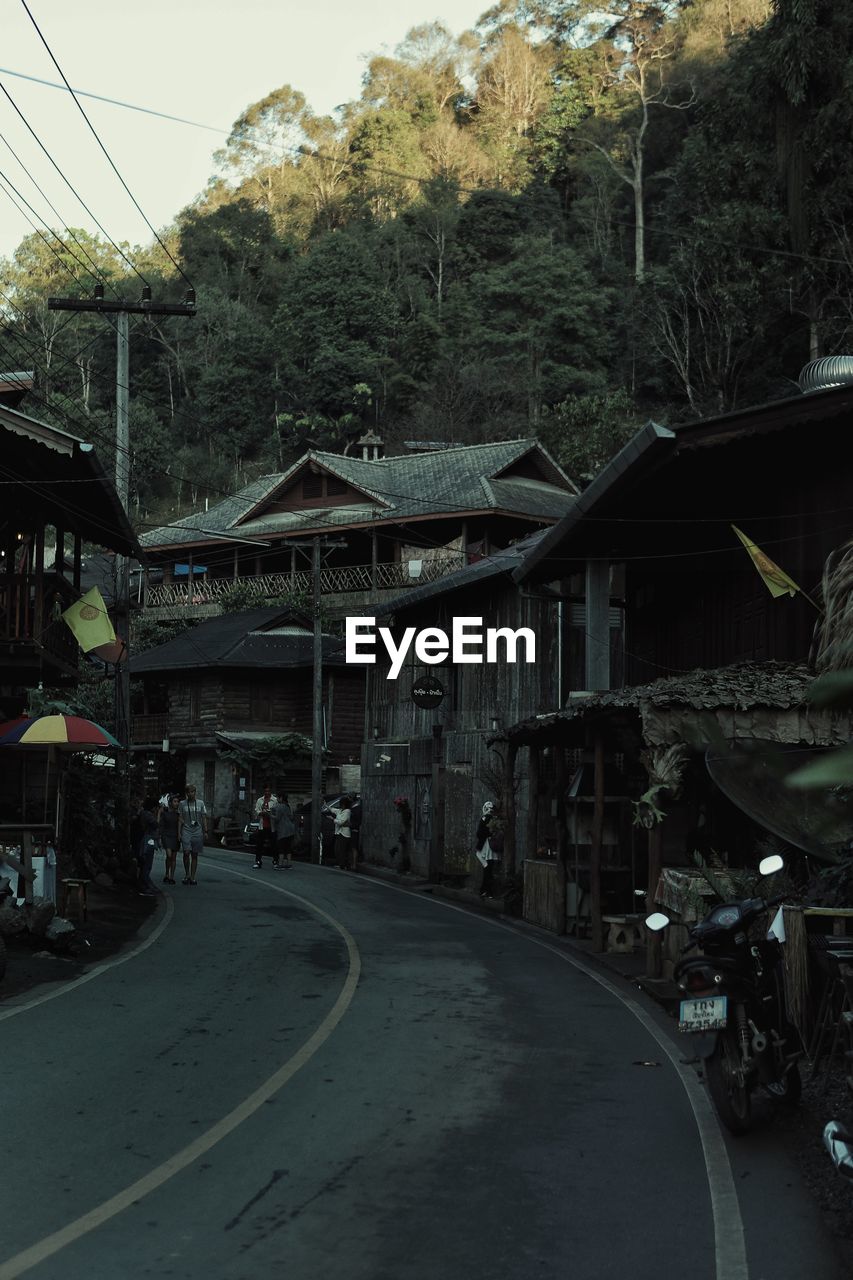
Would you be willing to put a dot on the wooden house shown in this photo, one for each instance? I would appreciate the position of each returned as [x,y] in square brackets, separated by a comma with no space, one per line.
[393,523]
[715,667]
[445,760]
[56,497]
[215,694]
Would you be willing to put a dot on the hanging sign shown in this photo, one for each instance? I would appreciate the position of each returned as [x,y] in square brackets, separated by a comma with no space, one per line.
[427,692]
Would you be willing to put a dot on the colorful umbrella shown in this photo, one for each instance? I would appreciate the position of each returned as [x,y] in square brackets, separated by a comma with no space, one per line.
[71,732]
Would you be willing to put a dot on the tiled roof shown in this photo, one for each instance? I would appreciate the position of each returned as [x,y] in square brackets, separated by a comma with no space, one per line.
[395,488]
[239,640]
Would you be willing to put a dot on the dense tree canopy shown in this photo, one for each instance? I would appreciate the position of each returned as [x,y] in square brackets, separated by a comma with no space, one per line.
[567,221]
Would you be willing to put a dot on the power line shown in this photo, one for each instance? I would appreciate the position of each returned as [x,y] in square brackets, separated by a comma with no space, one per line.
[71,188]
[115,102]
[103,148]
[99,274]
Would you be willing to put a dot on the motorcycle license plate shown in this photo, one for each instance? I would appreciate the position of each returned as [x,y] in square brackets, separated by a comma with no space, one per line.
[705,1014]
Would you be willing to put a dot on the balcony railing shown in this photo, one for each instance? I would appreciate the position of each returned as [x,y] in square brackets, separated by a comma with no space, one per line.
[354,577]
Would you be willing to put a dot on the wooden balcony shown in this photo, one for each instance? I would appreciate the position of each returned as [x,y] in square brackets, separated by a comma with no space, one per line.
[34,641]
[204,597]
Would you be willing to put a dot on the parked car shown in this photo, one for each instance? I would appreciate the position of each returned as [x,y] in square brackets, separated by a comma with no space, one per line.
[327,823]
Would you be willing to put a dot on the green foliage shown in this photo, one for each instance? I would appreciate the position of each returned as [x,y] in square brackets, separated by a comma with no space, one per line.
[585,431]
[271,756]
[463,240]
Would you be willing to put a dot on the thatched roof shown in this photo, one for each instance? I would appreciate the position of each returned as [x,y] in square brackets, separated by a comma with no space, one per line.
[743,686]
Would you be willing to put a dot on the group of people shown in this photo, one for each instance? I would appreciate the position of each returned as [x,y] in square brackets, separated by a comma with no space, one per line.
[276,831]
[170,823]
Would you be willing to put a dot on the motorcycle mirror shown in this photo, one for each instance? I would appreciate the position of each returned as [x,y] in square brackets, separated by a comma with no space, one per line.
[657,921]
[767,866]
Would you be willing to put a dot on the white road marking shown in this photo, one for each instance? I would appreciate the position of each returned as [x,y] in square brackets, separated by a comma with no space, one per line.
[729,1239]
[95,1218]
[65,987]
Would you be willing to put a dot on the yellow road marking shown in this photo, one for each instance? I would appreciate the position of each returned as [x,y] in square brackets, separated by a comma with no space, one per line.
[96,1217]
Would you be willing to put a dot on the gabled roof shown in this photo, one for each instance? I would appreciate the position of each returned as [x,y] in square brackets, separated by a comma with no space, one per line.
[625,478]
[57,478]
[269,638]
[406,487]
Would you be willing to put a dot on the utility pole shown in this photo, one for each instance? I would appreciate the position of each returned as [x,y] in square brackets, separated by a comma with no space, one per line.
[122,310]
[317,545]
[317,728]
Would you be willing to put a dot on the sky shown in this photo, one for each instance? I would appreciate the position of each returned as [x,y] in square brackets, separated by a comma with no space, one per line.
[204,60]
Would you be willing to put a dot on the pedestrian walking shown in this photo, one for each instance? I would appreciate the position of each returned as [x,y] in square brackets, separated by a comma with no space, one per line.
[484,846]
[264,807]
[149,825]
[342,814]
[285,830]
[169,818]
[192,832]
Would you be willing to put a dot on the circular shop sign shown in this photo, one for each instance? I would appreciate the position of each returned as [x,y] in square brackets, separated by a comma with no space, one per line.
[427,692]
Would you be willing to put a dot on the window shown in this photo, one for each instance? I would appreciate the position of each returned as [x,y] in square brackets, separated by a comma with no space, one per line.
[261,703]
[312,486]
[334,486]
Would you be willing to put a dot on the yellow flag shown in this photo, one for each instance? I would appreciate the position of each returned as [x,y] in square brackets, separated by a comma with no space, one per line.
[89,621]
[777,581]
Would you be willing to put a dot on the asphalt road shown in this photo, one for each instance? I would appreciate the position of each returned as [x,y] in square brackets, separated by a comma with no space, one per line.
[311,1070]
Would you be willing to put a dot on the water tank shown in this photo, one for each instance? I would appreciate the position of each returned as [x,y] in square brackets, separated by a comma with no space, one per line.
[829,371]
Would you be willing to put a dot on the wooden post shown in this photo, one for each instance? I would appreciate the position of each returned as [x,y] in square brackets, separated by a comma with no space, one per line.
[595,849]
[27,859]
[292,567]
[562,835]
[38,608]
[190,580]
[436,831]
[236,573]
[509,810]
[654,966]
[373,559]
[597,624]
[532,840]
[78,561]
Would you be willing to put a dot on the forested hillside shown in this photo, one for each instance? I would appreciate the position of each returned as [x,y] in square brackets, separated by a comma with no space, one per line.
[562,223]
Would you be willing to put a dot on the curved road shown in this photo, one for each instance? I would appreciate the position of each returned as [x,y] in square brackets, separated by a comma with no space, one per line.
[312,1070]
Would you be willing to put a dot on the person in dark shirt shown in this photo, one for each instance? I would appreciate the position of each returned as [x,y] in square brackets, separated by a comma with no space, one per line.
[169,837]
[148,820]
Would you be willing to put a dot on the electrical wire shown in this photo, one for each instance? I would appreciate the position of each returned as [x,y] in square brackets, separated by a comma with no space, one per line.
[103,148]
[74,192]
[115,102]
[99,274]
[8,194]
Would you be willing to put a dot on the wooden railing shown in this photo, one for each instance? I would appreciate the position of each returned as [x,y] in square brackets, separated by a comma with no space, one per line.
[354,577]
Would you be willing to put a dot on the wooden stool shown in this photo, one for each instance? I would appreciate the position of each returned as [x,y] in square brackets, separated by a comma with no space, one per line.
[77,888]
[624,933]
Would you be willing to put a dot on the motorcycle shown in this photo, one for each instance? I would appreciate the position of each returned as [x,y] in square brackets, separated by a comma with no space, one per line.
[734,1007]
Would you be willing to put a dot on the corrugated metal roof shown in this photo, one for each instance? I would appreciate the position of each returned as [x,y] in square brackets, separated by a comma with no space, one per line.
[252,638]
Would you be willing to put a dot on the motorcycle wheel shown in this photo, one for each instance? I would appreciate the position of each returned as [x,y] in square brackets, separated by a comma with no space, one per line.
[789,1089]
[730,1098]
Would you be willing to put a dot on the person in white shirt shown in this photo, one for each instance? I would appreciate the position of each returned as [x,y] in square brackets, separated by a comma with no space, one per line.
[264,811]
[192,831]
[344,851]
